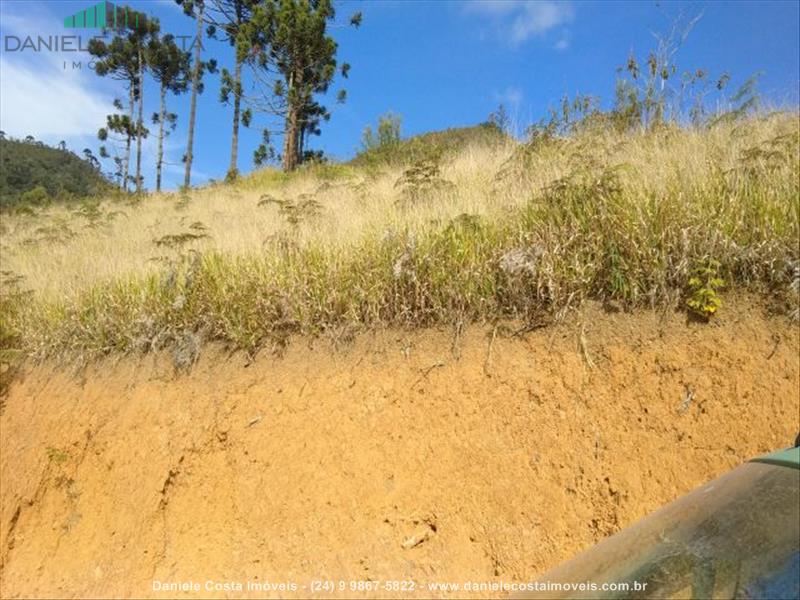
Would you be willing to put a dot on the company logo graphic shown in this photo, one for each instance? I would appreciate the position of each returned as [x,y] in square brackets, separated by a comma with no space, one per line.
[103,14]
[104,20]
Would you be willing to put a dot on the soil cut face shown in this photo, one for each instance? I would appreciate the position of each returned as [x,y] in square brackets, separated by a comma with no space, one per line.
[404,456]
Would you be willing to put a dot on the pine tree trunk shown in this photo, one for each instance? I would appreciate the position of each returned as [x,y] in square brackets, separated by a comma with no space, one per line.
[301,143]
[291,133]
[233,169]
[140,125]
[290,141]
[161,116]
[127,163]
[187,177]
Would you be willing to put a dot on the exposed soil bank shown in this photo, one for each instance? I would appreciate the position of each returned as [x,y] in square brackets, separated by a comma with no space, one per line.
[403,456]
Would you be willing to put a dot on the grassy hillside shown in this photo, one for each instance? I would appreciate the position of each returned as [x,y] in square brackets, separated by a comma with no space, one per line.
[433,145]
[34,173]
[493,230]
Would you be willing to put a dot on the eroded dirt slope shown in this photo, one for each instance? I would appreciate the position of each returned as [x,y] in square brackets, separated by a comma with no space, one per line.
[402,456]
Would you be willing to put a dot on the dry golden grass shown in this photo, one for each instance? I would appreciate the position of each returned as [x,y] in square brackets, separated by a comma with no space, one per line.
[125,239]
[354,204]
[501,229]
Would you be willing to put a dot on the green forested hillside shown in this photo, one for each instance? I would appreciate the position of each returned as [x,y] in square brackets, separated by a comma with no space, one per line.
[32,172]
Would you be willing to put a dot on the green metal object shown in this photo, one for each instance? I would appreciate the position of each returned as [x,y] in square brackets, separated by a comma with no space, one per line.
[782,458]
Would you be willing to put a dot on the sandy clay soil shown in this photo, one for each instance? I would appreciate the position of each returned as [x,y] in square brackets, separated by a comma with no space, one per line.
[417,457]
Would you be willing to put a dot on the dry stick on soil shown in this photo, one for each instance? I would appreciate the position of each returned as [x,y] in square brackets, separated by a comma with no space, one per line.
[489,352]
[585,348]
[596,444]
[425,372]
[528,328]
[687,400]
[777,339]
[418,538]
[455,347]
[421,536]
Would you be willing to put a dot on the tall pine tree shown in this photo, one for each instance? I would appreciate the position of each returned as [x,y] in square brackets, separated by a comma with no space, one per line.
[140,36]
[296,58]
[171,69]
[120,59]
[226,20]
[119,129]
[195,9]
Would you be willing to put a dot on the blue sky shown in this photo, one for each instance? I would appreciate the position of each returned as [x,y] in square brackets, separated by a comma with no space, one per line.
[437,63]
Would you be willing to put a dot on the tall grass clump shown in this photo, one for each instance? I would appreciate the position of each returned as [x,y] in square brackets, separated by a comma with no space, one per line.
[521,230]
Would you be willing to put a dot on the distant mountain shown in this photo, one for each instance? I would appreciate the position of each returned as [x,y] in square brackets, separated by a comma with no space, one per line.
[32,172]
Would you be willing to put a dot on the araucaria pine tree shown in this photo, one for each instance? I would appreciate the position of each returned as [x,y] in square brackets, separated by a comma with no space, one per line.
[122,59]
[142,32]
[226,19]
[118,132]
[195,9]
[295,59]
[171,68]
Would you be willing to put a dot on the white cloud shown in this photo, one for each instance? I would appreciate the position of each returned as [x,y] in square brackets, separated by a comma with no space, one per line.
[34,18]
[521,21]
[41,97]
[512,96]
[536,18]
[44,100]
[41,94]
[492,7]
